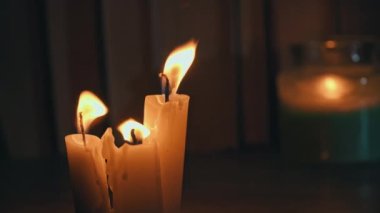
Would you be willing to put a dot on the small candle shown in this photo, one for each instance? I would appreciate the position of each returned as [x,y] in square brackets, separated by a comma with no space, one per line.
[87,167]
[166,116]
[133,169]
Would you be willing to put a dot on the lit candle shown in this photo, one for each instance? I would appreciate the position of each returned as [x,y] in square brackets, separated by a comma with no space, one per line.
[325,92]
[328,112]
[133,169]
[87,167]
[166,116]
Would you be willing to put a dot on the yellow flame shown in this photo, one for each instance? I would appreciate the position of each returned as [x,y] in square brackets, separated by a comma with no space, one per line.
[91,108]
[125,128]
[178,63]
[330,44]
[332,87]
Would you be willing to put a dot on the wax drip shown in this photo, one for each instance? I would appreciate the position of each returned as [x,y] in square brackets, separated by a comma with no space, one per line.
[165,86]
[110,192]
[82,128]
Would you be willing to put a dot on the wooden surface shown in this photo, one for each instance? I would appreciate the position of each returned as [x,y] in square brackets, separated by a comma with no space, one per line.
[220,183]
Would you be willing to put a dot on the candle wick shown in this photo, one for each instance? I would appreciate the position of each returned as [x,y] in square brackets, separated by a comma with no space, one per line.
[134,138]
[82,128]
[165,86]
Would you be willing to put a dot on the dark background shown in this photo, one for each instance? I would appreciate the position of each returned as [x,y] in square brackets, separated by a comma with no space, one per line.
[52,50]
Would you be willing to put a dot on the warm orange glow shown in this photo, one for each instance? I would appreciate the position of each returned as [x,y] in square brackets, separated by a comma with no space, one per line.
[332,87]
[91,108]
[330,44]
[178,63]
[125,128]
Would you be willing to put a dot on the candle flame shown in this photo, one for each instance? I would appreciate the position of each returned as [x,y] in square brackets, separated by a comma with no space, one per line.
[125,128]
[178,63]
[91,108]
[330,44]
[332,87]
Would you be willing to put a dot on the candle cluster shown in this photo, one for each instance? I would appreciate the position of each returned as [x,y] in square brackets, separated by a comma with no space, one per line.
[145,173]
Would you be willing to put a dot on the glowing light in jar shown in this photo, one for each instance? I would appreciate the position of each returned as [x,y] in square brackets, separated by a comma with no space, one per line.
[332,87]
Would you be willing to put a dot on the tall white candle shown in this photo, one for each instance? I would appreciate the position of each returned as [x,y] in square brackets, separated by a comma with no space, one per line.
[168,122]
[166,116]
[86,164]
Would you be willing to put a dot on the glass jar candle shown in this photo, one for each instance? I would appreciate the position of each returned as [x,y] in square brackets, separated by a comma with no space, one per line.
[330,102]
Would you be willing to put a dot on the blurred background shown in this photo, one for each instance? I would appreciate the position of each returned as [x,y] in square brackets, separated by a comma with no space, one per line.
[52,50]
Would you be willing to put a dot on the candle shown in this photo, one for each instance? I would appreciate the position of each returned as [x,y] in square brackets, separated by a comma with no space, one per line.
[330,113]
[133,169]
[166,116]
[87,167]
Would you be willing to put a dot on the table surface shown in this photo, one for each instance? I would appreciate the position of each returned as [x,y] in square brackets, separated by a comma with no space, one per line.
[215,183]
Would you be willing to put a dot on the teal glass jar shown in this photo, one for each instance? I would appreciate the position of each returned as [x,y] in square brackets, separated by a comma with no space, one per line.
[330,102]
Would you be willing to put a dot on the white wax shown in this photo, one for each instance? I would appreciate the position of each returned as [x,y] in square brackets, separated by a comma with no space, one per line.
[168,122]
[133,176]
[87,172]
